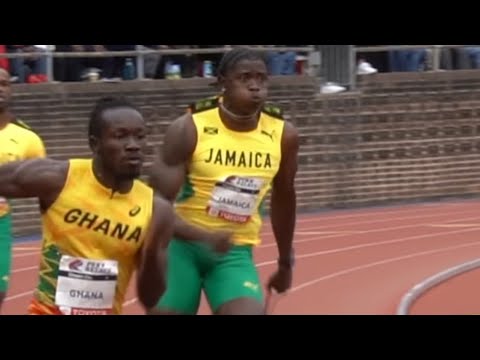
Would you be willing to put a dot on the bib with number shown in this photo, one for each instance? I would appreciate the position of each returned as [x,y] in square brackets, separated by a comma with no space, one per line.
[4,207]
[86,287]
[235,199]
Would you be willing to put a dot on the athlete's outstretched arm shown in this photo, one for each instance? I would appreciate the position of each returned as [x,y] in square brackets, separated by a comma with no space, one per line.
[283,199]
[40,178]
[152,267]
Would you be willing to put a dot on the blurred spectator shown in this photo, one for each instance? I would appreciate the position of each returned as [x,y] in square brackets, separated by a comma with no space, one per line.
[30,69]
[282,62]
[4,64]
[77,68]
[408,60]
[473,55]
[113,67]
[73,68]
[186,62]
[213,58]
[369,61]
[365,68]
[151,61]
[66,69]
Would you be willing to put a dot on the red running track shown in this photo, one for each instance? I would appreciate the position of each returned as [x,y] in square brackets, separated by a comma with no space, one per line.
[349,262]
[459,295]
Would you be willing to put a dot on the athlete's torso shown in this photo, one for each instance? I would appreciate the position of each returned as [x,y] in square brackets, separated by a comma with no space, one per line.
[231,173]
[87,222]
[18,142]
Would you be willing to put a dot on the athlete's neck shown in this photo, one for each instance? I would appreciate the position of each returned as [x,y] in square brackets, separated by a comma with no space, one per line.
[5,118]
[108,180]
[238,122]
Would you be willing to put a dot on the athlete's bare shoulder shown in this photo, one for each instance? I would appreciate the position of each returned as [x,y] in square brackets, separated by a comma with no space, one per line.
[51,175]
[51,169]
[289,164]
[202,105]
[180,140]
[274,111]
[182,126]
[41,171]
[290,132]
[41,178]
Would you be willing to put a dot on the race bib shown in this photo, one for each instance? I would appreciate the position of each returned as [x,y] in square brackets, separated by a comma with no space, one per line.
[86,287]
[235,199]
[4,207]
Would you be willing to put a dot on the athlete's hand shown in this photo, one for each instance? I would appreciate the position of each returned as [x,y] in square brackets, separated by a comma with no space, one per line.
[221,241]
[281,280]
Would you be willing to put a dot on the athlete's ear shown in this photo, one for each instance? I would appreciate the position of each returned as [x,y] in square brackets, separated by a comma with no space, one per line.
[221,82]
[93,142]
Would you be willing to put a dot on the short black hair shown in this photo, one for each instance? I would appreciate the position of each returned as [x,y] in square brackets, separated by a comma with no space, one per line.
[103,104]
[232,57]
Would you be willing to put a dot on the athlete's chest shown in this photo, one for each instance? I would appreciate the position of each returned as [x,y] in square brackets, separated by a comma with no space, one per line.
[97,224]
[243,153]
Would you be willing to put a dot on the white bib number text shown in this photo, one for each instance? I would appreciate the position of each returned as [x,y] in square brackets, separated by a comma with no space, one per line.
[235,199]
[86,287]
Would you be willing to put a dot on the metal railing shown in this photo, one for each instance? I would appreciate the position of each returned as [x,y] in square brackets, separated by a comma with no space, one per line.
[435,53]
[140,53]
[423,287]
[335,62]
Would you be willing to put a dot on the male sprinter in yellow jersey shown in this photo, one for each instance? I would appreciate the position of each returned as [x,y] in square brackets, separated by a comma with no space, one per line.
[17,142]
[227,152]
[99,222]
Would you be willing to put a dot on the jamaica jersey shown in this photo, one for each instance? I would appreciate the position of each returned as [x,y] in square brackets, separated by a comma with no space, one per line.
[230,172]
[18,142]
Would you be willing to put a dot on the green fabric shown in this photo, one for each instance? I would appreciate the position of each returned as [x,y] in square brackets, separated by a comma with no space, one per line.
[193,267]
[5,251]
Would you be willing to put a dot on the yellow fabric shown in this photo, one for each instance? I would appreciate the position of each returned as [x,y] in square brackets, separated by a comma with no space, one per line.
[87,222]
[18,143]
[223,161]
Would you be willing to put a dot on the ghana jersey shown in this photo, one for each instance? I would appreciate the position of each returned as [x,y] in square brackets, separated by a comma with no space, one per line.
[230,172]
[90,246]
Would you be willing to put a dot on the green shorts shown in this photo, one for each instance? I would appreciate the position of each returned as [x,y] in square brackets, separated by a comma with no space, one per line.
[193,267]
[5,251]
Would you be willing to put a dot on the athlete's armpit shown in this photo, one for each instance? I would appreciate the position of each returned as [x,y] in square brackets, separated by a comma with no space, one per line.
[40,178]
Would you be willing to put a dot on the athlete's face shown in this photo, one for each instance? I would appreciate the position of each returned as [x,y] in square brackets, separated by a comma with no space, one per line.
[5,89]
[122,143]
[246,86]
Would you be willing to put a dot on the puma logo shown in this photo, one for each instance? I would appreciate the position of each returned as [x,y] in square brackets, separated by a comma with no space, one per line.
[250,285]
[263,132]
